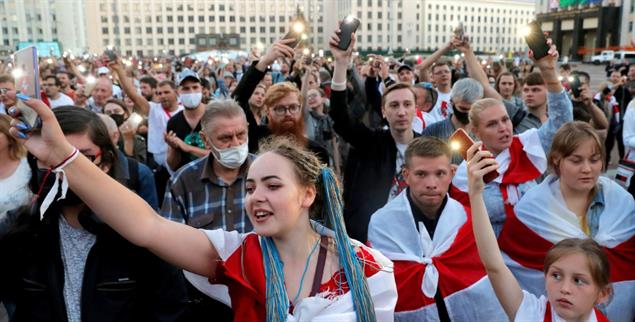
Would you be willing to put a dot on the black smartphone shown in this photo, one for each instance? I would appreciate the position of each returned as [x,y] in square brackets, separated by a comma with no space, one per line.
[347,27]
[110,54]
[459,32]
[574,84]
[536,40]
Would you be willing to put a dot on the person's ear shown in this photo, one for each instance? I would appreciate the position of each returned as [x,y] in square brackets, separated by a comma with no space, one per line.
[453,168]
[204,139]
[604,295]
[405,172]
[475,130]
[308,197]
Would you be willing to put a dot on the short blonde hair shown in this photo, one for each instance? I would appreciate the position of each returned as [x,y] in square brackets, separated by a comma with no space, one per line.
[16,150]
[480,106]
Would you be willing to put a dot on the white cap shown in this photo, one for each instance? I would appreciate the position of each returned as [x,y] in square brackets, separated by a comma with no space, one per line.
[103,70]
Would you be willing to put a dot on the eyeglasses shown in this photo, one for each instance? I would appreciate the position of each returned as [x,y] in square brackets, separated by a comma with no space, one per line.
[282,110]
[92,158]
[312,96]
[3,91]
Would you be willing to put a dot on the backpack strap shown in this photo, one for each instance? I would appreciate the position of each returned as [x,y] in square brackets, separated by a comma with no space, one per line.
[319,270]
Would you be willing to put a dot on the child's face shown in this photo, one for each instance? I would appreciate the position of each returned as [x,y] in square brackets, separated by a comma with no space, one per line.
[571,290]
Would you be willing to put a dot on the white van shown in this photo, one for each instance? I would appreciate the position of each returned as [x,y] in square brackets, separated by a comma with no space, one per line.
[607,55]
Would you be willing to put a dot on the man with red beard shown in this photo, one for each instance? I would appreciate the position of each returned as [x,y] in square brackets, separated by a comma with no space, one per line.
[282,104]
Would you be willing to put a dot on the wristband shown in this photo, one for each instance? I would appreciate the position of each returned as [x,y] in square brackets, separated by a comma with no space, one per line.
[338,86]
[59,175]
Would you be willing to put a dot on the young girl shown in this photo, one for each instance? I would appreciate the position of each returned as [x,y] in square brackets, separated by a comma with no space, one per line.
[576,270]
[575,202]
[290,269]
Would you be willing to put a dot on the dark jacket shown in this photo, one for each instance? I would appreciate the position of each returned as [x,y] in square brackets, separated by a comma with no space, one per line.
[370,168]
[242,93]
[122,282]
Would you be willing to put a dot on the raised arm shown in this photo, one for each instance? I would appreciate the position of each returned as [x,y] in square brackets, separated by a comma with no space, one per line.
[558,102]
[128,86]
[352,130]
[130,216]
[71,68]
[428,61]
[474,68]
[507,289]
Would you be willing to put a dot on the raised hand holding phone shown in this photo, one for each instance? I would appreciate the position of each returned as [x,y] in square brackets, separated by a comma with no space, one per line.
[462,143]
[48,144]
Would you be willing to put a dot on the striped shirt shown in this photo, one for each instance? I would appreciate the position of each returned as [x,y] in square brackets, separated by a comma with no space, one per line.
[196,196]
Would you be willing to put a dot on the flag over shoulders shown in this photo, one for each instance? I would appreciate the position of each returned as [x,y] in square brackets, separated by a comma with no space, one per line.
[542,219]
[448,264]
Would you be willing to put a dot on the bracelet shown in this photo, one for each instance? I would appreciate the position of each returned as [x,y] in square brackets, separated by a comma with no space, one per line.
[68,160]
[338,86]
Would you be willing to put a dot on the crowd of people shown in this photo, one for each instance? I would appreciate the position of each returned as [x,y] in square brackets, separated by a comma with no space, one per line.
[169,189]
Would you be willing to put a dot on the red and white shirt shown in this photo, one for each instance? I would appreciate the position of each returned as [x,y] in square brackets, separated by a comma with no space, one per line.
[241,270]
[537,309]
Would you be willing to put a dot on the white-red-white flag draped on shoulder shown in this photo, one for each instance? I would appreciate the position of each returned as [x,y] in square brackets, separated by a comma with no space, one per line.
[542,219]
[522,162]
[448,263]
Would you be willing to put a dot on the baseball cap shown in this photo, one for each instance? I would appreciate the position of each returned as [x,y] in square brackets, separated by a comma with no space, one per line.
[185,74]
[433,92]
[103,70]
[402,66]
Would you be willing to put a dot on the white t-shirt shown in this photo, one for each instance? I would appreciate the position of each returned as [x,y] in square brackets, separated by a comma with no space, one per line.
[63,100]
[157,124]
[421,121]
[533,308]
[15,188]
[442,108]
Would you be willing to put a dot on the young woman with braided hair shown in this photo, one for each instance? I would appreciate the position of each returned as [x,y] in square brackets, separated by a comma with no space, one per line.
[272,274]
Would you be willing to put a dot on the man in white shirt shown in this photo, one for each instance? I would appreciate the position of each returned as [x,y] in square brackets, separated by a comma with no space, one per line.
[52,87]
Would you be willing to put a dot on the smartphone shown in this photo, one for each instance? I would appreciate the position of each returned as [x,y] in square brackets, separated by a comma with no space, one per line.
[459,32]
[536,40]
[295,33]
[574,84]
[111,54]
[347,27]
[27,83]
[460,142]
[308,60]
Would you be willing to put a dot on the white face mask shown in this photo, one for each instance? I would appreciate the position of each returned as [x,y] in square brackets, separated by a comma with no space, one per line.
[191,100]
[233,157]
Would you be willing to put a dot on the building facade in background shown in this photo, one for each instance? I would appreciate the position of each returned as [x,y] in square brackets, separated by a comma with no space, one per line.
[582,28]
[153,27]
[38,21]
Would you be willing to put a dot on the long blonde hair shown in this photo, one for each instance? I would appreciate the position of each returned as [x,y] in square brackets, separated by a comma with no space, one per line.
[16,150]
